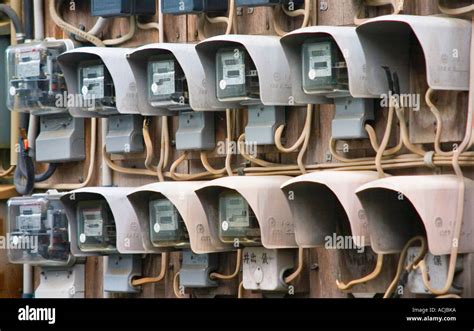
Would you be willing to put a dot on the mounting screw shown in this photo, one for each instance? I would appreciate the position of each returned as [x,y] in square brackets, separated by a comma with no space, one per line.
[239,11]
[250,10]
[178,35]
[314,267]
[323,6]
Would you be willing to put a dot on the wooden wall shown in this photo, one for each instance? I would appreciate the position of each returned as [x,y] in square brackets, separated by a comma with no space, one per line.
[322,266]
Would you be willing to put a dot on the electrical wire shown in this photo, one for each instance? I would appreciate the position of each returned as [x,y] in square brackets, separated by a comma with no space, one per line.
[305,12]
[54,9]
[238,262]
[229,20]
[159,278]
[124,170]
[164,149]
[123,39]
[397,6]
[15,19]
[7,172]
[384,143]
[374,274]
[90,172]
[439,123]
[401,263]
[299,269]
[455,11]
[240,291]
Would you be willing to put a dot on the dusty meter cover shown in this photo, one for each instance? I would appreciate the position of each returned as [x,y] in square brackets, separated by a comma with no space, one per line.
[324,67]
[167,85]
[167,228]
[35,79]
[193,6]
[237,221]
[38,231]
[95,227]
[97,87]
[237,76]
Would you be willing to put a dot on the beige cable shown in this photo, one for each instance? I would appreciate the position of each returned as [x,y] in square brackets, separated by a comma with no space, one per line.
[238,262]
[164,149]
[397,6]
[401,263]
[375,145]
[400,112]
[54,9]
[455,11]
[7,172]
[374,274]
[240,292]
[448,296]
[299,269]
[384,143]
[300,140]
[90,172]
[229,138]
[230,21]
[148,147]
[305,12]
[123,39]
[159,278]
[124,170]
[176,289]
[439,123]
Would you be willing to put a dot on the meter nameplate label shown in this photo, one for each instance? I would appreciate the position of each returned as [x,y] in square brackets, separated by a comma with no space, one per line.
[93,82]
[30,218]
[93,223]
[233,69]
[163,78]
[165,216]
[320,61]
[29,64]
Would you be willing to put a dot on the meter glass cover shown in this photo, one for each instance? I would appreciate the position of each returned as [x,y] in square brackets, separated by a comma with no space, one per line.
[237,76]
[167,228]
[38,232]
[96,87]
[96,227]
[324,67]
[167,85]
[35,79]
[237,220]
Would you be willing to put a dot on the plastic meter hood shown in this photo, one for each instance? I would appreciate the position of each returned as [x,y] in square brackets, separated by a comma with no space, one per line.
[445,42]
[129,234]
[115,61]
[203,238]
[267,201]
[269,58]
[348,42]
[400,208]
[320,199]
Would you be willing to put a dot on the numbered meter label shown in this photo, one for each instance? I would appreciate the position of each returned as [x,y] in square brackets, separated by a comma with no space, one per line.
[28,64]
[29,218]
[233,69]
[237,215]
[92,78]
[320,60]
[93,223]
[163,78]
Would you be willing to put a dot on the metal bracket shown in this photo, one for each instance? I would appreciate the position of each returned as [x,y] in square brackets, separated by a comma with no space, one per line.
[124,134]
[61,139]
[262,124]
[195,131]
[351,116]
[61,283]
[120,271]
[195,270]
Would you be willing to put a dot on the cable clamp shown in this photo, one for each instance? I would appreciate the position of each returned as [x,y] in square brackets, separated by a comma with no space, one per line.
[428,158]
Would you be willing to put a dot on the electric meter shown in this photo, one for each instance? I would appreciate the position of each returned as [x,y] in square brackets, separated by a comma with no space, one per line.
[38,231]
[96,227]
[167,85]
[257,3]
[324,67]
[117,8]
[181,7]
[97,87]
[237,220]
[35,79]
[237,76]
[167,228]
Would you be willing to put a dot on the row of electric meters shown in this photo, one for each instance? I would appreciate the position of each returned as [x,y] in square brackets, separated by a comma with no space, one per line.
[269,217]
[345,66]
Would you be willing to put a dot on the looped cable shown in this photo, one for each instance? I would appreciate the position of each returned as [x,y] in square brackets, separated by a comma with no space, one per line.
[397,6]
